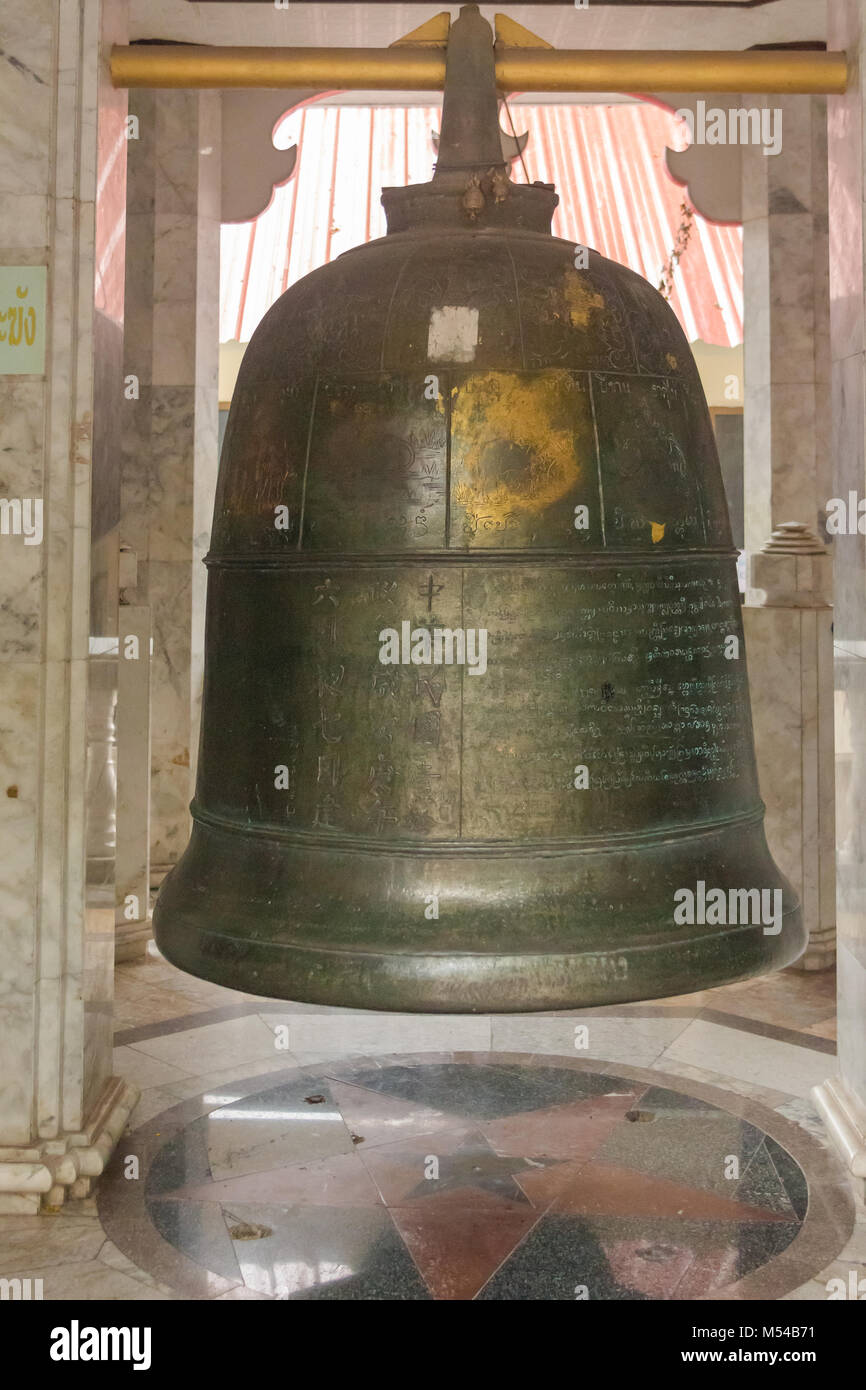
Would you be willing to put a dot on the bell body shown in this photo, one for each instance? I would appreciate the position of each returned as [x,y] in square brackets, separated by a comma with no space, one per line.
[457,431]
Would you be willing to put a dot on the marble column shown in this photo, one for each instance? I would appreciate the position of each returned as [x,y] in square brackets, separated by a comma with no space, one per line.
[787,479]
[108,404]
[170,450]
[842,1099]
[60,1109]
[132,873]
[789,634]
[787,324]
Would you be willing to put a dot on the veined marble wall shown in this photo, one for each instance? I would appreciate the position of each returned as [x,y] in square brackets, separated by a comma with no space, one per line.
[843,1098]
[108,403]
[50,1135]
[170,450]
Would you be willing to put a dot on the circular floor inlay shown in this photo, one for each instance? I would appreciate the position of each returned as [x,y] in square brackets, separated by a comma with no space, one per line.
[419,1178]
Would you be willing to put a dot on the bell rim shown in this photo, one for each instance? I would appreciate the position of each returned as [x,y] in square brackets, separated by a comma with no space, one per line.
[451,983]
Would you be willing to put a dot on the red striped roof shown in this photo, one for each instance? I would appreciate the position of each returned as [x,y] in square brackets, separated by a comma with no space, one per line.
[608,164]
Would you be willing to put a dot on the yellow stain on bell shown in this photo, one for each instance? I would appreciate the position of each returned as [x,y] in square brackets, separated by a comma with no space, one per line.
[581,300]
[516,445]
[658,530]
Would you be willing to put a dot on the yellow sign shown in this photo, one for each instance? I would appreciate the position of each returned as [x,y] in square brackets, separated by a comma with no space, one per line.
[22,319]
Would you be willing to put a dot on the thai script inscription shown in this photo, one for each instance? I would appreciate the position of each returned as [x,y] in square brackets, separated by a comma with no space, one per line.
[22,319]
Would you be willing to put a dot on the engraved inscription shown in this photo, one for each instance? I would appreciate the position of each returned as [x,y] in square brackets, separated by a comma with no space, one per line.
[621,672]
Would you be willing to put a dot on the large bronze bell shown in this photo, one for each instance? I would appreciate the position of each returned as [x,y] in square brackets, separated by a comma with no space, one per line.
[476,730]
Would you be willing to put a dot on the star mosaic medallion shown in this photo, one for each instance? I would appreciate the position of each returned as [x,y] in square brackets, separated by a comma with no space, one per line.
[459,1179]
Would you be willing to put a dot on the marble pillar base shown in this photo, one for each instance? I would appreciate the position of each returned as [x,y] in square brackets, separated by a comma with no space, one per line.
[845,1117]
[820,951]
[44,1174]
[130,940]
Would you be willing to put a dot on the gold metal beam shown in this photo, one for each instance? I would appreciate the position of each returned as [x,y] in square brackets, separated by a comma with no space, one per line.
[646,70]
[517,69]
[316,69]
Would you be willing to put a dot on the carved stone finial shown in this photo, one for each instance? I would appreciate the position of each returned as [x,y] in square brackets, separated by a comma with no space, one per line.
[792,570]
[793,538]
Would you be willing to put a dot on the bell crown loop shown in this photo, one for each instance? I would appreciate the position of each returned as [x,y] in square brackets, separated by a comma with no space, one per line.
[470,185]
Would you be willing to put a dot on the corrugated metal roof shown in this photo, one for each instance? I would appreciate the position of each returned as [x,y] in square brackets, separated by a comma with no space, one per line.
[607,162]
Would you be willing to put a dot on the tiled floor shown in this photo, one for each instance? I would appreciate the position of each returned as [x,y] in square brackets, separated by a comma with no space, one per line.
[659,1151]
